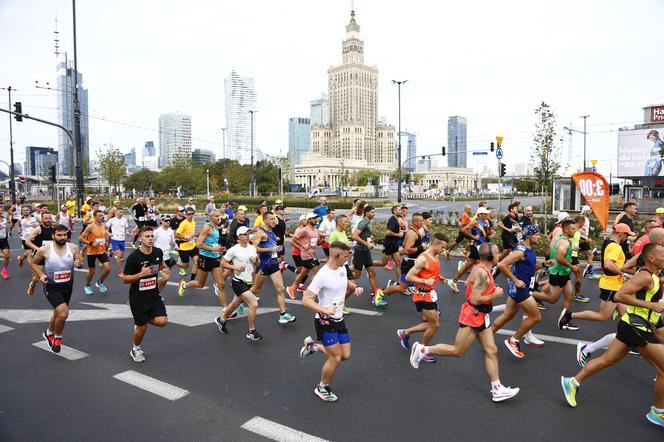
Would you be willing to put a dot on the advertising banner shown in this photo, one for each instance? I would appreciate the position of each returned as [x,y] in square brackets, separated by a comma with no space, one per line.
[639,153]
[595,190]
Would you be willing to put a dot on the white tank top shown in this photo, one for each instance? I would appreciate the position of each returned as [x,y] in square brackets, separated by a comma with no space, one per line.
[64,219]
[60,269]
[27,224]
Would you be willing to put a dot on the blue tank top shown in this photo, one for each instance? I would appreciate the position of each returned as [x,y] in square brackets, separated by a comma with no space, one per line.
[524,270]
[426,238]
[481,231]
[211,240]
[267,259]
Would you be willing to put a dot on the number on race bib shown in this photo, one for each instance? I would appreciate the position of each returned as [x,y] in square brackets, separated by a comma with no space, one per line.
[147,283]
[61,276]
[433,295]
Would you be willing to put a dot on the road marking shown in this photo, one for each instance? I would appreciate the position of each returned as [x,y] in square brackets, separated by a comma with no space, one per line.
[278,432]
[548,338]
[359,311]
[4,328]
[65,352]
[154,386]
[173,283]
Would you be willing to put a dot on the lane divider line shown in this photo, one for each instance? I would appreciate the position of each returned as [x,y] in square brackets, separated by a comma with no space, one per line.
[359,311]
[4,328]
[548,338]
[152,385]
[278,432]
[65,352]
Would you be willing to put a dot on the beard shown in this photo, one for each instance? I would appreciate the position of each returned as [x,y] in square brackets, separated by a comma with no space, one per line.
[60,242]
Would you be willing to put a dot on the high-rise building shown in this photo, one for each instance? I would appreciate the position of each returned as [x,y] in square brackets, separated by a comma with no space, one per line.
[39,159]
[299,131]
[149,150]
[409,141]
[353,140]
[130,158]
[65,89]
[174,137]
[202,156]
[319,113]
[457,145]
[240,99]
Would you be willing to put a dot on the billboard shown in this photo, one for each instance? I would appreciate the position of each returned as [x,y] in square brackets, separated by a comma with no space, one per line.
[639,153]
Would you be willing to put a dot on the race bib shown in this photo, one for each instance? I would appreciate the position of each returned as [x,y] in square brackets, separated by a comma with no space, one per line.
[531,286]
[274,254]
[487,320]
[99,241]
[313,241]
[338,304]
[141,218]
[433,295]
[147,283]
[62,276]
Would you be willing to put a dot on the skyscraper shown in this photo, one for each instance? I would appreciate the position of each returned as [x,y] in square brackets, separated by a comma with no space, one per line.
[65,89]
[240,99]
[409,141]
[38,160]
[320,111]
[202,156]
[299,131]
[457,146]
[130,158]
[149,150]
[174,137]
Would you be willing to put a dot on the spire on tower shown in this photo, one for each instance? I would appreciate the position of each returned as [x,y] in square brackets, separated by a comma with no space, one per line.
[56,37]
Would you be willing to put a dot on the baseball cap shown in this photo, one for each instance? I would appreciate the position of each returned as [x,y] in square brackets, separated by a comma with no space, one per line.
[562,216]
[585,209]
[190,211]
[530,230]
[278,202]
[310,215]
[165,217]
[623,228]
[180,208]
[302,217]
[279,207]
[483,211]
[88,198]
[63,206]
[659,210]
[243,208]
[242,230]
[368,208]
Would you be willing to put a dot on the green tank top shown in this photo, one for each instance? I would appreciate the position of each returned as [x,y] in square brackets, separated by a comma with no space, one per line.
[575,240]
[642,318]
[557,268]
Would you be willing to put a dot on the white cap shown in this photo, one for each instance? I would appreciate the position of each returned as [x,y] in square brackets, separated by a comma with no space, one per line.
[242,230]
[562,216]
[302,217]
[310,215]
[585,209]
[483,211]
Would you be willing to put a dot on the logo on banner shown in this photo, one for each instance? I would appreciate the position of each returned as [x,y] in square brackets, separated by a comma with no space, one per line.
[595,190]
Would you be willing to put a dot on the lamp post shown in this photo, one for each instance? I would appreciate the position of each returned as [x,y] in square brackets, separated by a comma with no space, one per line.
[252,186]
[12,183]
[225,185]
[585,117]
[399,83]
[207,182]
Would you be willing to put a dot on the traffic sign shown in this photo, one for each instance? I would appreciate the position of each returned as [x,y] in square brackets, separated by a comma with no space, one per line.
[594,162]
[499,153]
[594,169]
[499,140]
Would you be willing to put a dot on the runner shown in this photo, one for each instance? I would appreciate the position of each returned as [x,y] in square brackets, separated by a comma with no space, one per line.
[321,210]
[190,205]
[474,323]
[5,227]
[425,274]
[412,249]
[186,233]
[585,247]
[325,227]
[357,213]
[260,211]
[308,239]
[118,226]
[60,257]
[361,234]
[510,227]
[16,212]
[576,245]
[557,227]
[339,234]
[645,239]
[477,231]
[627,217]
[239,220]
[209,208]
[40,235]
[71,206]
[240,259]
[332,288]
[282,233]
[138,214]
[528,218]
[265,242]
[25,226]
[391,243]
[519,267]
[636,331]
[164,239]
[96,238]
[143,270]
[111,212]
[296,252]
[152,215]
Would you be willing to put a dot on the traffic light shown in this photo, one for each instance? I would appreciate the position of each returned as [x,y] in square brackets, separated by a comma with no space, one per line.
[491,146]
[502,169]
[443,150]
[18,108]
[51,171]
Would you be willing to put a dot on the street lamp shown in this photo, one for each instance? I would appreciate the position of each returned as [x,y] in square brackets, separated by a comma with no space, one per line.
[584,132]
[399,83]
[12,183]
[207,181]
[252,186]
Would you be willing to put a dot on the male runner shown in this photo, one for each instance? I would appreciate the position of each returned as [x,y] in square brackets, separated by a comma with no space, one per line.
[477,230]
[186,233]
[40,235]
[118,227]
[265,242]
[332,288]
[117,204]
[576,246]
[152,215]
[16,212]
[412,249]
[325,227]
[391,243]
[96,238]
[361,234]
[5,227]
[25,226]
[142,270]
[425,274]
[474,322]
[510,227]
[308,239]
[280,230]
[520,267]
[63,217]
[585,247]
[239,220]
[464,219]
[60,257]
[139,215]
[627,216]
[637,331]
[164,239]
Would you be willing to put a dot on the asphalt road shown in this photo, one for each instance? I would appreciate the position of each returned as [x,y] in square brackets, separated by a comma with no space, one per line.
[229,382]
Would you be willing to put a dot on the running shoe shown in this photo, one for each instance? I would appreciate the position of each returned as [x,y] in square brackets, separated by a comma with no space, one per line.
[460,265]
[581,354]
[564,318]
[174,254]
[378,300]
[283,267]
[182,271]
[347,310]
[285,318]
[453,285]
[31,288]
[428,358]
[216,289]
[403,338]
[100,285]
[19,261]
[409,291]
[239,311]
[137,355]
[570,326]
[588,271]
[301,288]
[253,335]
[391,282]
[325,393]
[514,347]
[530,339]
[579,298]
[569,389]
[655,417]
[389,265]
[4,273]
[182,286]
[88,290]
[291,291]
[540,304]
[49,338]
[503,393]
[308,348]
[221,325]
[57,344]
[110,253]
[416,355]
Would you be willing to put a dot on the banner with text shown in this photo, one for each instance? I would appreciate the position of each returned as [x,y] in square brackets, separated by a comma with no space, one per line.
[640,153]
[595,190]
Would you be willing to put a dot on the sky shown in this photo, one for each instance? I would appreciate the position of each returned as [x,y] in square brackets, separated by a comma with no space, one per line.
[491,62]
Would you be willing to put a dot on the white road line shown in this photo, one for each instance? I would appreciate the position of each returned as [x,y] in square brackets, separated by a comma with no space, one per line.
[278,432]
[65,352]
[173,283]
[154,386]
[4,328]
[549,338]
[359,311]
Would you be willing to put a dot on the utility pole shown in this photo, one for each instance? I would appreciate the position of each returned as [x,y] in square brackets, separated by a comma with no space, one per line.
[399,83]
[252,185]
[584,140]
[223,142]
[12,183]
[77,123]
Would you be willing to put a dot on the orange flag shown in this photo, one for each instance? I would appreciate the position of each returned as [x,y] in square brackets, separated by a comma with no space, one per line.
[595,191]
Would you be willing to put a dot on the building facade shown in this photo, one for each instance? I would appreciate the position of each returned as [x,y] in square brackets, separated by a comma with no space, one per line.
[174,137]
[39,159]
[65,94]
[450,180]
[409,141]
[299,131]
[149,150]
[202,156]
[130,158]
[319,112]
[240,99]
[457,141]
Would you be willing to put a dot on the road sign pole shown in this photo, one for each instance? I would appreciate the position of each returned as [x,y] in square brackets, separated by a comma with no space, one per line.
[499,156]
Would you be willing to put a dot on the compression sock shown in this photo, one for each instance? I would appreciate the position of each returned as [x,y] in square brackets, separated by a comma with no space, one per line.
[601,343]
[193,276]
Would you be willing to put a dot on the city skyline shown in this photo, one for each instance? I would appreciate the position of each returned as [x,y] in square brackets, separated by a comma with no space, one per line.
[495,79]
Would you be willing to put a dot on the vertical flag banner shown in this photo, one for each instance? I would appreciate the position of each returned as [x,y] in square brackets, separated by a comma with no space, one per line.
[595,191]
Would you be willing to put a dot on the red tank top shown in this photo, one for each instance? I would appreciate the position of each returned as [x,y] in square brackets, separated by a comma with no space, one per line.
[423,292]
[468,315]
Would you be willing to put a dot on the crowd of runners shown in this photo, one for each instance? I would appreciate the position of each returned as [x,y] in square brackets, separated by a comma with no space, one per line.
[249,255]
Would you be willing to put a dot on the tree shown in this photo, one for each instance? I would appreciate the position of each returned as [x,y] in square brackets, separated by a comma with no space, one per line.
[417,177]
[545,154]
[366,175]
[140,180]
[344,175]
[111,166]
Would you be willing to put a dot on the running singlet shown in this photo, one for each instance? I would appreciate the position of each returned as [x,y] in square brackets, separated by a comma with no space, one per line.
[639,317]
[211,240]
[3,227]
[470,315]
[60,269]
[63,220]
[267,259]
[187,228]
[27,224]
[557,268]
[524,270]
[426,293]
[480,230]
[97,239]
[408,262]
[45,236]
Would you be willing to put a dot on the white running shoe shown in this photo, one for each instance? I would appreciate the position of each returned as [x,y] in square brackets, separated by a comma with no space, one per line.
[453,285]
[530,339]
[416,355]
[503,393]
